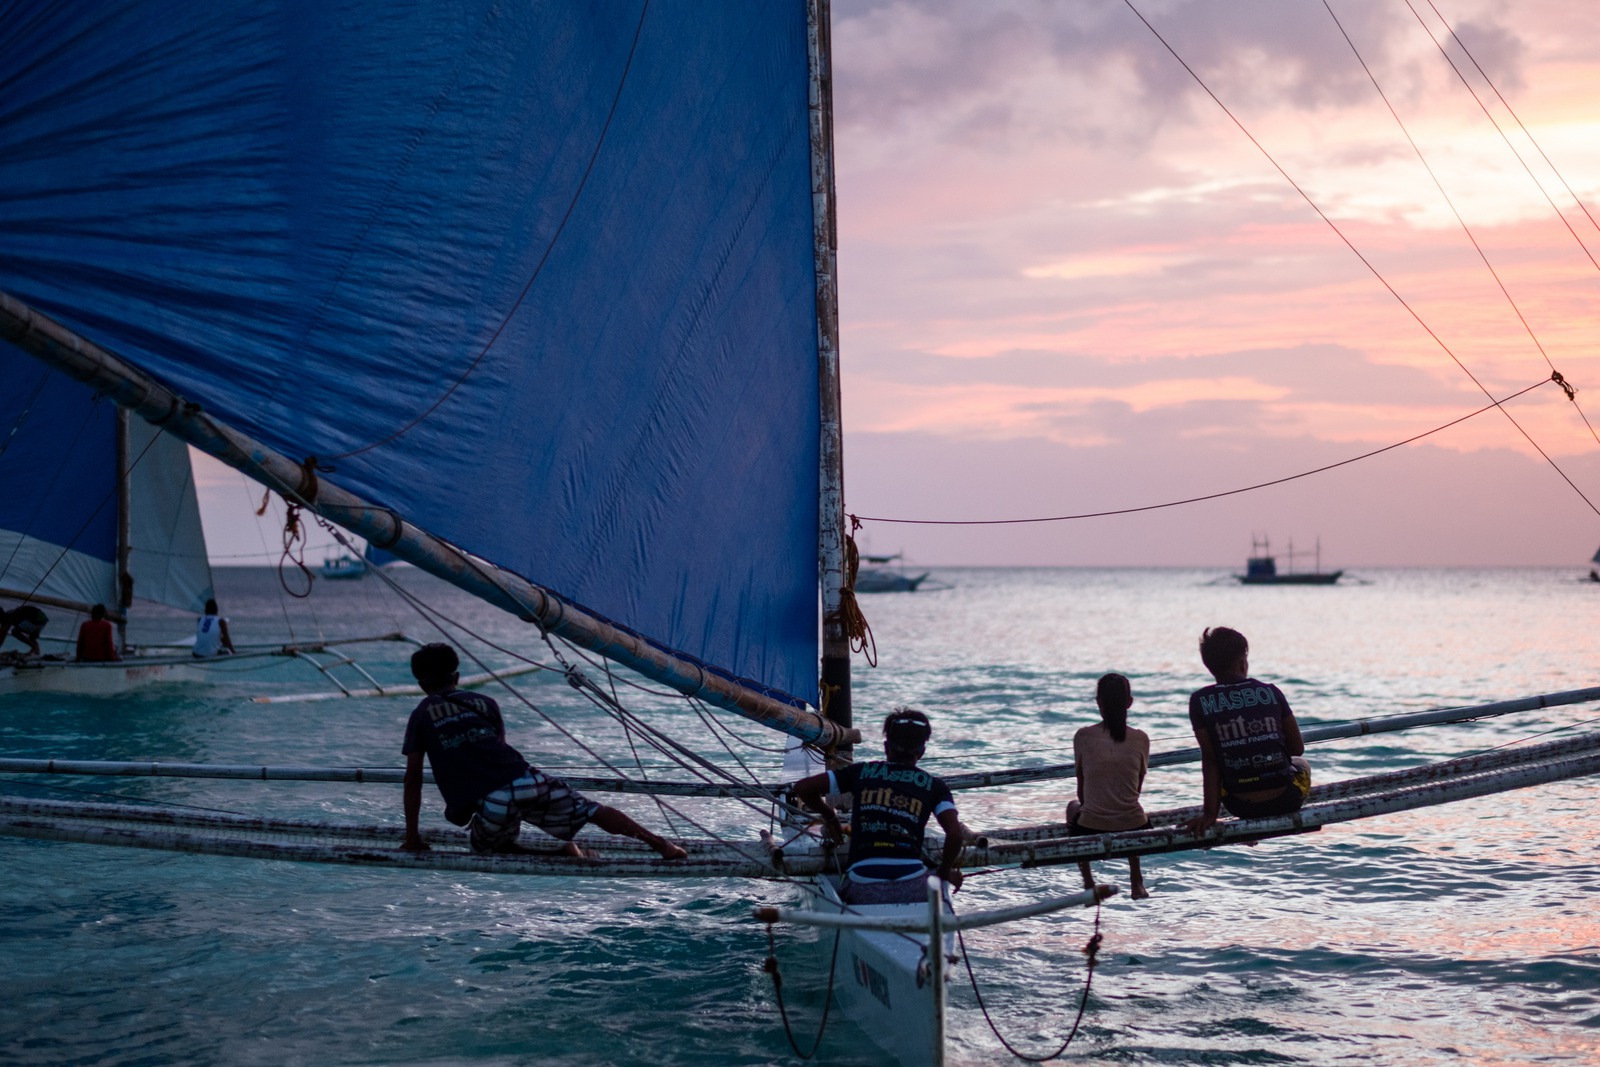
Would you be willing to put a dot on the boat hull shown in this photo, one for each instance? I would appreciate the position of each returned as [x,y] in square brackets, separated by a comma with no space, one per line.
[1290,579]
[96,679]
[876,581]
[880,980]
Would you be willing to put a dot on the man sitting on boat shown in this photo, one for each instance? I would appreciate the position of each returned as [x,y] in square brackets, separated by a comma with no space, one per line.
[893,799]
[486,783]
[24,623]
[211,636]
[97,640]
[1250,745]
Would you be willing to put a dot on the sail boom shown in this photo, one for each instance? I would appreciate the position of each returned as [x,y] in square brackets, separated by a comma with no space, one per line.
[58,602]
[130,388]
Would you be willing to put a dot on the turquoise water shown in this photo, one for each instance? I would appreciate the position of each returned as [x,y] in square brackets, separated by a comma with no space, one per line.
[1464,934]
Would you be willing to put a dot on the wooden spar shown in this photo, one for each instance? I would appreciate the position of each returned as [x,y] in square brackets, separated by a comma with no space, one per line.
[835,699]
[1355,728]
[57,602]
[124,526]
[1485,761]
[467,682]
[355,775]
[1354,787]
[1311,817]
[130,388]
[917,924]
[73,821]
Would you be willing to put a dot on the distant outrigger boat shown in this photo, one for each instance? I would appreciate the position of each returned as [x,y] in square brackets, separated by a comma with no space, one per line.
[884,577]
[1262,567]
[343,568]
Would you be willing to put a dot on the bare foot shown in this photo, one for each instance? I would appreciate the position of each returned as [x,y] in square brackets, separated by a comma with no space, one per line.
[577,851]
[1141,893]
[669,851]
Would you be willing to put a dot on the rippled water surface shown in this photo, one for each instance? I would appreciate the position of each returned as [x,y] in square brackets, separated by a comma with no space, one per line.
[1465,934]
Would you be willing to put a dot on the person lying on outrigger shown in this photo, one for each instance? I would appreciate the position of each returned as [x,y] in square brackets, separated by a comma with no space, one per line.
[894,799]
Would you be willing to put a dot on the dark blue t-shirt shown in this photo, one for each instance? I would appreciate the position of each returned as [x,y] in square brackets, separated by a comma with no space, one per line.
[1245,722]
[893,803]
[465,739]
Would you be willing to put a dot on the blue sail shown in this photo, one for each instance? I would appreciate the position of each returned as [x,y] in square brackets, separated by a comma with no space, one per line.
[539,277]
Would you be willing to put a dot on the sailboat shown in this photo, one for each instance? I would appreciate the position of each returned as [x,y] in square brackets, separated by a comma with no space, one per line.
[580,269]
[95,508]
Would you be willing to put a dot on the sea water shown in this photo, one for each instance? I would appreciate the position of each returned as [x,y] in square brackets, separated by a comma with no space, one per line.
[1462,934]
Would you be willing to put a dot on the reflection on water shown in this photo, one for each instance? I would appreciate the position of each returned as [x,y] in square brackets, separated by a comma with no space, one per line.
[1458,934]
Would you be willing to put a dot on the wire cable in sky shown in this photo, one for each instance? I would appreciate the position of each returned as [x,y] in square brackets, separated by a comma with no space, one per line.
[1471,237]
[1214,496]
[1364,261]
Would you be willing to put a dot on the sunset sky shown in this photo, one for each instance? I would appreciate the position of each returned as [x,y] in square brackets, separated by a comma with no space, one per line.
[1069,283]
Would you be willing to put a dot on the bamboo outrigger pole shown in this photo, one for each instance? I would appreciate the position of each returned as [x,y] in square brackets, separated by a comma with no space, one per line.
[131,388]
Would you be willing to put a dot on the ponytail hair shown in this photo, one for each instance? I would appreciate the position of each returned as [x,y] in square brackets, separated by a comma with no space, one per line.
[1114,694]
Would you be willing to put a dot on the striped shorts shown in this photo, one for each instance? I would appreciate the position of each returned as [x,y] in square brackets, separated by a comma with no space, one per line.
[546,802]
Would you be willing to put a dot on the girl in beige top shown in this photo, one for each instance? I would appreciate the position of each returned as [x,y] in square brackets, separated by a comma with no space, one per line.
[1111,758]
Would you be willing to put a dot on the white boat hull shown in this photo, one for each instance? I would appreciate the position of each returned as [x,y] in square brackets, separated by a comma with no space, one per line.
[96,679]
[881,980]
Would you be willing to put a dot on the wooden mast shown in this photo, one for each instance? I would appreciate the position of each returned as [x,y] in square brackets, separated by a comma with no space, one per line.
[835,697]
[131,388]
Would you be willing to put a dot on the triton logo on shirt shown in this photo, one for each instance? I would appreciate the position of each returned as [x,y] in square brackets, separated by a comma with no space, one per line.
[1240,728]
[886,797]
[1211,703]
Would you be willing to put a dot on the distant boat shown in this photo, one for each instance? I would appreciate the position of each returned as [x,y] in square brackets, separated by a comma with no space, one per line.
[344,567]
[887,575]
[1594,575]
[1262,567]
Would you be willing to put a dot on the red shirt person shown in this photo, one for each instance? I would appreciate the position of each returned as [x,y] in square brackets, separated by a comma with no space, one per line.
[97,640]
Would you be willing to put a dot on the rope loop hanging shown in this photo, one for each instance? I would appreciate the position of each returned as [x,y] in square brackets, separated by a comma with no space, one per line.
[1091,950]
[850,614]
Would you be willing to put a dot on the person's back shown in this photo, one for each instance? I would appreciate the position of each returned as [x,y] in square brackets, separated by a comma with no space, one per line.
[893,801]
[24,622]
[211,636]
[1113,773]
[97,638]
[1250,744]
[1111,759]
[464,737]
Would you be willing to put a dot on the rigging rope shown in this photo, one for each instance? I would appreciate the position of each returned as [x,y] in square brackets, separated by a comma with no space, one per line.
[1091,949]
[1554,377]
[1471,237]
[770,965]
[1364,261]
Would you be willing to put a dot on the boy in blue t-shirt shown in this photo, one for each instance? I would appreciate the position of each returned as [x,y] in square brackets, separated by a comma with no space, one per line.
[1250,745]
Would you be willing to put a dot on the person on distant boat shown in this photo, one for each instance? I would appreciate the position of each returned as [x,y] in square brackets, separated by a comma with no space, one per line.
[486,784]
[211,636]
[24,623]
[1250,745]
[97,640]
[894,799]
[1111,759]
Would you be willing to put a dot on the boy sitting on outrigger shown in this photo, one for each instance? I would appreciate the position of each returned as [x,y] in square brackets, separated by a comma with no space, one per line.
[893,800]
[1250,745]
[486,783]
